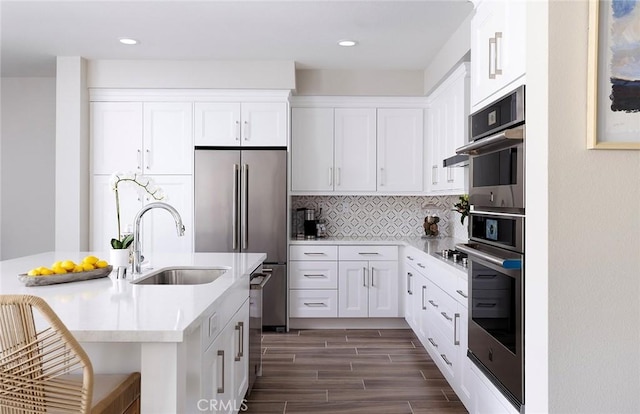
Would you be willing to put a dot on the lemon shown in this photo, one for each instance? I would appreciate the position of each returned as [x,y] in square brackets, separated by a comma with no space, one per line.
[87,266]
[45,271]
[59,270]
[34,272]
[78,268]
[101,263]
[90,260]
[56,264]
[68,265]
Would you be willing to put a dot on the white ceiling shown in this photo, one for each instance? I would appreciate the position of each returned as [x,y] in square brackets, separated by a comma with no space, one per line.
[391,34]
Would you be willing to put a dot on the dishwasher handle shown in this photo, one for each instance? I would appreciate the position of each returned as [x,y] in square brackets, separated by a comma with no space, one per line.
[265,279]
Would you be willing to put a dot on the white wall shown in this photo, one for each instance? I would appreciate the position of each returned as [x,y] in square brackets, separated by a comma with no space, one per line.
[455,50]
[359,82]
[190,74]
[72,155]
[27,166]
[592,259]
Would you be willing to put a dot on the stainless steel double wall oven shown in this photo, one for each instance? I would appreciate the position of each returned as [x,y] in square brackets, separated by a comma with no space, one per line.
[496,244]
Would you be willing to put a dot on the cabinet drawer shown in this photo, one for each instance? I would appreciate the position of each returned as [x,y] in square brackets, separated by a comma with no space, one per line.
[446,353]
[444,309]
[313,303]
[462,292]
[313,252]
[313,275]
[368,252]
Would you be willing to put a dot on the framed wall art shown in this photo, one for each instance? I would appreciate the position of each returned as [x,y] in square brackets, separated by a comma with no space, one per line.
[613,118]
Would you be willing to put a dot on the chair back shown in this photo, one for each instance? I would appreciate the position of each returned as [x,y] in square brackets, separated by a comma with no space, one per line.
[38,363]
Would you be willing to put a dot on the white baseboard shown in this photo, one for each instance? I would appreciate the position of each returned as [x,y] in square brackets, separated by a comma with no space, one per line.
[348,323]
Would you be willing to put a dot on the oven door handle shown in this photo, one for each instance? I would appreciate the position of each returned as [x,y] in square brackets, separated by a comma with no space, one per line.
[500,140]
[262,284]
[508,263]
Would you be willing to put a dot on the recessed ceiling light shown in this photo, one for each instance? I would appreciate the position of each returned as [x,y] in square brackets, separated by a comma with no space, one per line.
[347,43]
[128,41]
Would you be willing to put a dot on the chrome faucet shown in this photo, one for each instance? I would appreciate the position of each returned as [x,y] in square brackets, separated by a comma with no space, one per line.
[137,254]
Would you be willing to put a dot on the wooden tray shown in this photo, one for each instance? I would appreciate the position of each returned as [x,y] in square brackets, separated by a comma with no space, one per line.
[65,278]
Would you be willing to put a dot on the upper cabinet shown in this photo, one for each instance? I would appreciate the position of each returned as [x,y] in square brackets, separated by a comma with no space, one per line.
[355,149]
[447,129]
[400,149]
[142,137]
[247,124]
[352,149]
[498,57]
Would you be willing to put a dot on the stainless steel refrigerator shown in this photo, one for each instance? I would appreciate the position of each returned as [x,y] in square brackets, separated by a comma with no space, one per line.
[241,206]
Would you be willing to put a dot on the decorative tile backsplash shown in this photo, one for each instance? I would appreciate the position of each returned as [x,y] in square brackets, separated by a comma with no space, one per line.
[384,216]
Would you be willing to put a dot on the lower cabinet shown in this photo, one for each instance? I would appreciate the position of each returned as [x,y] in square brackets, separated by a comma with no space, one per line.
[346,281]
[438,316]
[225,366]
[367,289]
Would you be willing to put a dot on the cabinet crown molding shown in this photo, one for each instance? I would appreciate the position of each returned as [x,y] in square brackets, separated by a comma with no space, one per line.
[188,95]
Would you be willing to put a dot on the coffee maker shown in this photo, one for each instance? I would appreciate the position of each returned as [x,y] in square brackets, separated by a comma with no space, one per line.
[310,224]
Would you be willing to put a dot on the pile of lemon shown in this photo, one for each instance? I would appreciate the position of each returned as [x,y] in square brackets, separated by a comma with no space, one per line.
[68,266]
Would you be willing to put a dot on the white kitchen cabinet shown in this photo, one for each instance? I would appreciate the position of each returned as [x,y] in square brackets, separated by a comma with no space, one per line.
[368,281]
[400,140]
[313,281]
[498,38]
[312,149]
[447,129]
[333,150]
[313,303]
[225,366]
[355,149]
[439,318]
[247,124]
[143,137]
[158,227]
[367,289]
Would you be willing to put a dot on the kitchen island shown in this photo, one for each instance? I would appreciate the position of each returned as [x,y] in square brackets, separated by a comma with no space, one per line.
[159,330]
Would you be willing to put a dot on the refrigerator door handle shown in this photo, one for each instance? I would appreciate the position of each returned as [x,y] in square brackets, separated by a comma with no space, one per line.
[245,207]
[234,209]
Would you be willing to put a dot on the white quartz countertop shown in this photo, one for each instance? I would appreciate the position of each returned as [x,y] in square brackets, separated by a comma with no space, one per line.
[114,310]
[427,245]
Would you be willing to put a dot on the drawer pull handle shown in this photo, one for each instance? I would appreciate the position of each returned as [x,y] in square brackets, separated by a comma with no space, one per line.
[221,389]
[314,254]
[314,304]
[410,258]
[443,356]
[447,317]
[432,342]
[435,305]
[421,265]
[456,341]
[368,254]
[461,293]
[314,276]
[424,289]
[409,276]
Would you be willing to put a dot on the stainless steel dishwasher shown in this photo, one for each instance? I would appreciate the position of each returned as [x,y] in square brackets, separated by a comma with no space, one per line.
[258,283]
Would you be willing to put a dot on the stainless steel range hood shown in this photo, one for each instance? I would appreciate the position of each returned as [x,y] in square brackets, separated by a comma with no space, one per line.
[458,160]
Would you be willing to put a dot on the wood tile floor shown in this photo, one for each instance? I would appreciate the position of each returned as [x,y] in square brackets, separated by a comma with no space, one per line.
[349,371]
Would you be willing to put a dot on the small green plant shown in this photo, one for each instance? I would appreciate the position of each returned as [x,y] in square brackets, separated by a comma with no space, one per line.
[122,244]
[462,207]
[147,185]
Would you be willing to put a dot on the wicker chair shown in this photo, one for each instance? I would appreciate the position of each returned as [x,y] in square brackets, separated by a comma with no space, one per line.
[48,371]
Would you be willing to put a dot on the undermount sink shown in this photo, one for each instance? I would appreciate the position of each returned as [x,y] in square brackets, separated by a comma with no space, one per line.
[182,276]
